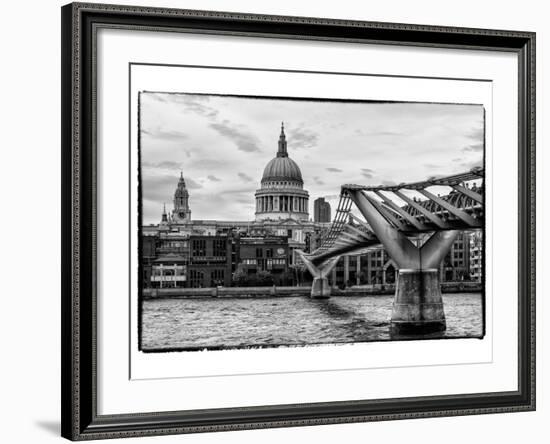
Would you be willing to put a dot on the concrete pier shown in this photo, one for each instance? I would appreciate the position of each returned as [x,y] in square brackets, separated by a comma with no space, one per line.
[418,305]
[320,288]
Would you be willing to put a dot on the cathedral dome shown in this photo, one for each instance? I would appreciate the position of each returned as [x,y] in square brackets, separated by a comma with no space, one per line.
[282,194]
[282,168]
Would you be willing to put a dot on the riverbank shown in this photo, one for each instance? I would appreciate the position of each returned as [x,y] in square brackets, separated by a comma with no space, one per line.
[275,291]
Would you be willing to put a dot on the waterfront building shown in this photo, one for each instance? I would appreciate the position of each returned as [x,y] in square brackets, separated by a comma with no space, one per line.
[372,266]
[321,210]
[456,265]
[269,254]
[476,256]
[210,260]
[169,271]
[149,252]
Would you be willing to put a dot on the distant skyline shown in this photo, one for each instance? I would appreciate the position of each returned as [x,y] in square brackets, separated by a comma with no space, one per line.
[222,144]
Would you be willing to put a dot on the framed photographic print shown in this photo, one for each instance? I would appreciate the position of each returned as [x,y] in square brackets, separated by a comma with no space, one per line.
[278,221]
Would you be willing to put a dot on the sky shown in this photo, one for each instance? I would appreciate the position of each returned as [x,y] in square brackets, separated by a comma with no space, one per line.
[221,144]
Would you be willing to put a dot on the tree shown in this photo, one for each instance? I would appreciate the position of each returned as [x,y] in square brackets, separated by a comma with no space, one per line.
[264,278]
[240,278]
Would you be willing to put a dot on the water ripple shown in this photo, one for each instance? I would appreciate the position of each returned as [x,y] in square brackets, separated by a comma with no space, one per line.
[193,324]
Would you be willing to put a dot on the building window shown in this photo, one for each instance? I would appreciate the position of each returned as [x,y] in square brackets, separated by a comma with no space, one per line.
[199,247]
[196,278]
[259,252]
[218,277]
[269,252]
[219,247]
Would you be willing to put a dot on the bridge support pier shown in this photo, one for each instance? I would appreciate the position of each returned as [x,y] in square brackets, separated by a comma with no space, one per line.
[320,289]
[418,305]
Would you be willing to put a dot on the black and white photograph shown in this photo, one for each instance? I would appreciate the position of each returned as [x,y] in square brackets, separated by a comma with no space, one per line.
[293,222]
[286,217]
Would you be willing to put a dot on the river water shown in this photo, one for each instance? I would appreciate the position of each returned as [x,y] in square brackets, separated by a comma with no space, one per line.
[198,324]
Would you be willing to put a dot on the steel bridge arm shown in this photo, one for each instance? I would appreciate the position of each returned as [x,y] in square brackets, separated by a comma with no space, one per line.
[432,217]
[450,208]
[469,193]
[390,217]
[406,216]
[398,246]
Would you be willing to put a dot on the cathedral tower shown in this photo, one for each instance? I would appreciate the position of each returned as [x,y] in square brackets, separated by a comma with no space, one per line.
[181,212]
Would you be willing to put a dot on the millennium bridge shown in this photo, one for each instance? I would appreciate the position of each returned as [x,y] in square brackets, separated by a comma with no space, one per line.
[416,235]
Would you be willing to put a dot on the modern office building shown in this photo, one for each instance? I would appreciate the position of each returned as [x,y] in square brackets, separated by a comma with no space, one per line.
[321,210]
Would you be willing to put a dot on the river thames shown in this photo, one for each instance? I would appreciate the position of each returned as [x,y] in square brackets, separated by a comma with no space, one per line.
[218,323]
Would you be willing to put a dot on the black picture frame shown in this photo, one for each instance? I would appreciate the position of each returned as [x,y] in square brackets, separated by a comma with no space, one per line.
[78,333]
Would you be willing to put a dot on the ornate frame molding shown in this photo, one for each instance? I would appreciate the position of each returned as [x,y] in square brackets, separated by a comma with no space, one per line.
[79,413]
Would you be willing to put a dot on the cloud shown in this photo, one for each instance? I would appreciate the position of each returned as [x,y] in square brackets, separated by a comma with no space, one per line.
[166,164]
[245,141]
[476,133]
[318,181]
[158,187]
[472,164]
[208,163]
[334,170]
[363,133]
[367,172]
[301,137]
[245,177]
[191,184]
[168,135]
[389,183]
[248,189]
[432,165]
[214,178]
[193,103]
[475,148]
